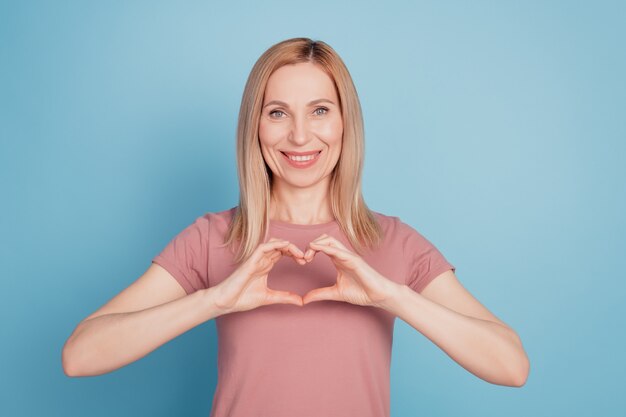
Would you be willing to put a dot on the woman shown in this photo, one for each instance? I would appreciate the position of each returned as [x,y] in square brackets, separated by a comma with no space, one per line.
[311,335]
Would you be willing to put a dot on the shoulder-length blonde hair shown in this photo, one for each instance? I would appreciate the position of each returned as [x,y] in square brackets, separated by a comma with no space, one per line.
[250,224]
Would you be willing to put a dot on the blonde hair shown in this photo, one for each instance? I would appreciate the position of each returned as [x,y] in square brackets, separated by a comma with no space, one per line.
[250,223]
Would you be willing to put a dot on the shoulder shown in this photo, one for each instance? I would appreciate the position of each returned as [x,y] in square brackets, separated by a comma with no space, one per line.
[212,221]
[217,222]
[401,235]
[384,220]
[393,226]
[216,217]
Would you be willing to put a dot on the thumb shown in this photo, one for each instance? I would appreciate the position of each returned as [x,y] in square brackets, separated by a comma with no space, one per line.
[320,294]
[283,297]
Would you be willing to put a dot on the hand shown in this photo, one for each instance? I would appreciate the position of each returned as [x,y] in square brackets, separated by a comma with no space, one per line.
[246,288]
[357,282]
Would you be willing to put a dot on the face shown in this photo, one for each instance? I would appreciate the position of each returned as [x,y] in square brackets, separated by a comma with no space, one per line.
[300,114]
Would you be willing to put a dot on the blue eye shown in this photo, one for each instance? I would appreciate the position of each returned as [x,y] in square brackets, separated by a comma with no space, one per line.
[275,111]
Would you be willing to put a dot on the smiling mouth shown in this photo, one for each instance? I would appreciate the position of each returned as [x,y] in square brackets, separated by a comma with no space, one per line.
[308,157]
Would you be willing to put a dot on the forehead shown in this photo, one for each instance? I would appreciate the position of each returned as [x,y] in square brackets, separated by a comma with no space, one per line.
[302,81]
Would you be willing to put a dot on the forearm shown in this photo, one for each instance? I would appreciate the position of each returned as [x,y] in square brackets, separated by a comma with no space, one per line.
[110,341]
[487,349]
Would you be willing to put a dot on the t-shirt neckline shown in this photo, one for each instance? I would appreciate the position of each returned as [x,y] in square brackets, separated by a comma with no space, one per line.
[286,225]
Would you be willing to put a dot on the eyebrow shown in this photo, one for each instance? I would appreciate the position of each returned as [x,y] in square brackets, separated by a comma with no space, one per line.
[282,103]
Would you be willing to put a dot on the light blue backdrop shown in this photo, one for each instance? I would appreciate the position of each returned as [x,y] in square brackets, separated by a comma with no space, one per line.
[496,129]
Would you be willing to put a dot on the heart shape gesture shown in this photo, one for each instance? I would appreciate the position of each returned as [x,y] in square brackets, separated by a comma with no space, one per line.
[357,282]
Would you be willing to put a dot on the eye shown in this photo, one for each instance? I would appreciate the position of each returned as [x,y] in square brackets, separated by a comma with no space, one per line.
[321,108]
[275,111]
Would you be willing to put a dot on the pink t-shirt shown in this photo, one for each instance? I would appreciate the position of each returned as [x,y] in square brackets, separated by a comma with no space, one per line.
[326,358]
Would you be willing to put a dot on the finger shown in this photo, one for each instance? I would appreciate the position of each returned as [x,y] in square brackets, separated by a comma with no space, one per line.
[330,250]
[282,297]
[327,240]
[300,261]
[309,254]
[273,245]
[275,256]
[296,255]
[282,247]
[331,241]
[293,250]
[324,293]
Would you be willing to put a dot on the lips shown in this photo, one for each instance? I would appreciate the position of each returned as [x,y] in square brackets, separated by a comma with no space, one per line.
[294,153]
[302,164]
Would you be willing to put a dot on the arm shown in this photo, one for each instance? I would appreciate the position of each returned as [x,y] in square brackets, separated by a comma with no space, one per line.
[146,315]
[447,314]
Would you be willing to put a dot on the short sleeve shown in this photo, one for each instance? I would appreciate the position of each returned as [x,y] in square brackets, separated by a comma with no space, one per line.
[186,256]
[424,261]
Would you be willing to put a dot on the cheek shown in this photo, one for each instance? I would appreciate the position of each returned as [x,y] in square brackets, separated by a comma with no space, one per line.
[331,130]
[269,133]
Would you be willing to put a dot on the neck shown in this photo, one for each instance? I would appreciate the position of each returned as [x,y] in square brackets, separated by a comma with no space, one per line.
[297,205]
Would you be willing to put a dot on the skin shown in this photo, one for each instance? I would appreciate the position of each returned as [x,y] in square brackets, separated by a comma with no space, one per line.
[445,312]
[301,195]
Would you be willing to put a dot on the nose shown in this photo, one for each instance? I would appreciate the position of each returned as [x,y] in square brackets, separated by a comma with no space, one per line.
[299,133]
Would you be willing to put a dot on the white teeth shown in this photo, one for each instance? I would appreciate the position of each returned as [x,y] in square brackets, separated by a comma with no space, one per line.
[302,158]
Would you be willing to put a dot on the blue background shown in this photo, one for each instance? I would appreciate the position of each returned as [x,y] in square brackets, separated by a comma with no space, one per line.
[496,129]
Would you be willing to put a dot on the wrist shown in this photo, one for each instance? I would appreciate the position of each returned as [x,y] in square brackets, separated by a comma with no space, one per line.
[211,298]
[392,300]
